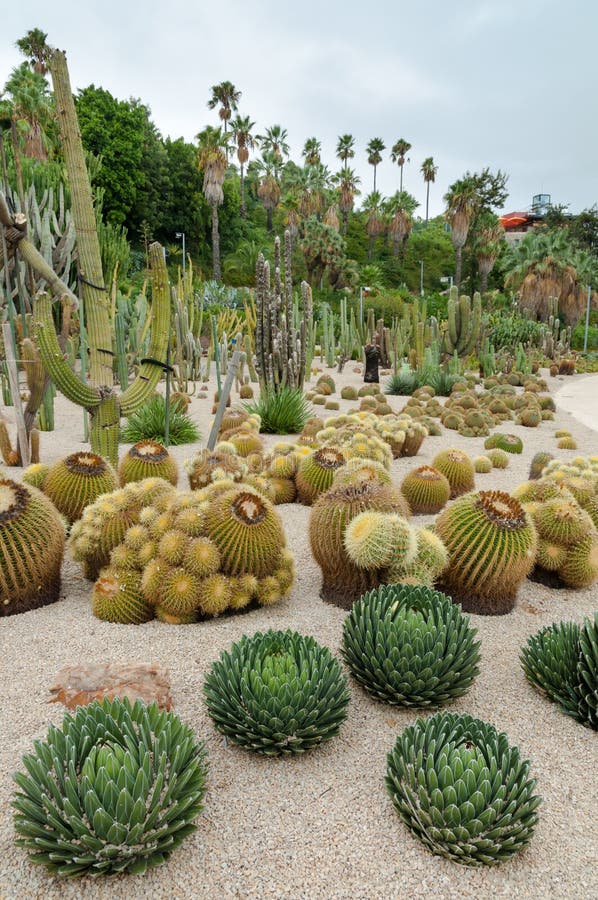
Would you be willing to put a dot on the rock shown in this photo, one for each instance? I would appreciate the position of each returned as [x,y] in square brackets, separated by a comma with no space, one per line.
[80,685]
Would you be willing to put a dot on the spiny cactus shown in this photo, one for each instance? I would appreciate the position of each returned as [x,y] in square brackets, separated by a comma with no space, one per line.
[561,660]
[482,464]
[492,545]
[277,693]
[410,646]
[376,540]
[117,597]
[431,558]
[464,322]
[211,465]
[76,481]
[498,458]
[247,530]
[539,461]
[316,472]
[457,467]
[31,549]
[123,804]
[426,490]
[35,474]
[509,443]
[473,800]
[148,459]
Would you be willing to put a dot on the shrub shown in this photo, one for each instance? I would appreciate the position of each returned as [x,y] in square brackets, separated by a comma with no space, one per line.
[410,646]
[282,412]
[277,693]
[116,789]
[462,790]
[149,422]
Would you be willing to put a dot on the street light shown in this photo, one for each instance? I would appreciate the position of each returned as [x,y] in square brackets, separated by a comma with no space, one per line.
[361,290]
[178,236]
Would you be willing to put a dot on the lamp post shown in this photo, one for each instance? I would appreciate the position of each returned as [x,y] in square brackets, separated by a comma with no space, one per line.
[362,288]
[585,337]
[179,235]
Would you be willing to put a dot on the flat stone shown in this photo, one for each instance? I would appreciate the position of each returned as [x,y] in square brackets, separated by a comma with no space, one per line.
[80,685]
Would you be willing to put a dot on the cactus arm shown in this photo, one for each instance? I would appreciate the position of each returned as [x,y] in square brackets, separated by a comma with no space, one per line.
[53,358]
[149,374]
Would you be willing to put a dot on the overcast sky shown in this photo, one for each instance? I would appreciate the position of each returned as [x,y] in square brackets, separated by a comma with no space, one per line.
[509,84]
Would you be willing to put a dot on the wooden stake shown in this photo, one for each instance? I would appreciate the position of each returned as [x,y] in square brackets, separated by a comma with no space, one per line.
[223,397]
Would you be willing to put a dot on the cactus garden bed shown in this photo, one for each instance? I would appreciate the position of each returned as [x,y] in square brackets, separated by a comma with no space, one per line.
[319,824]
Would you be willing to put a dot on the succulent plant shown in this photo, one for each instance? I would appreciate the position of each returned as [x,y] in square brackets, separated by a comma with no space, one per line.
[491,542]
[457,467]
[210,465]
[358,469]
[530,416]
[76,481]
[327,380]
[247,531]
[410,646]
[116,789]
[246,392]
[148,459]
[277,693]
[246,441]
[462,789]
[567,443]
[426,490]
[31,548]
[316,472]
[510,443]
[117,597]
[482,464]
[348,393]
[35,475]
[376,540]
[498,458]
[343,581]
[285,490]
[539,461]
[561,660]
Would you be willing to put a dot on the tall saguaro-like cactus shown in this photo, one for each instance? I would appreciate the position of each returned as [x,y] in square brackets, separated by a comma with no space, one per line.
[464,323]
[282,333]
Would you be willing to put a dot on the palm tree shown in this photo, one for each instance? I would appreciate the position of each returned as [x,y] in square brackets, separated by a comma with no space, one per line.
[274,140]
[312,149]
[372,205]
[241,130]
[460,202]
[374,150]
[211,160]
[347,183]
[35,48]
[399,209]
[268,168]
[488,243]
[398,154]
[345,148]
[428,170]
[30,108]
[228,97]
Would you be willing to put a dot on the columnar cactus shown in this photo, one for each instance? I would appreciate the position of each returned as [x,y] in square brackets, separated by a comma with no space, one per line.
[464,322]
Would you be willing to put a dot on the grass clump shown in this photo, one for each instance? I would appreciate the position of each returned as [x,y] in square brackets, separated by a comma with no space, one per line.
[281,412]
[149,423]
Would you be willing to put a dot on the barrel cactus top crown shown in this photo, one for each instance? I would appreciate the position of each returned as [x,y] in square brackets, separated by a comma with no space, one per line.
[147,459]
[277,693]
[462,790]
[116,789]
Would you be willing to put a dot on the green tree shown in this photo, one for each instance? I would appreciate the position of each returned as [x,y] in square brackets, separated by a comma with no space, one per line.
[345,149]
[488,244]
[29,105]
[35,48]
[399,209]
[375,224]
[347,183]
[268,169]
[429,171]
[311,152]
[241,127]
[583,228]
[460,202]
[227,97]
[398,153]
[275,141]
[374,151]
[211,160]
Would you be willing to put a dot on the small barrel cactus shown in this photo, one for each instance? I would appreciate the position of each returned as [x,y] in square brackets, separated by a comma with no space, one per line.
[482,464]
[75,482]
[410,646]
[210,465]
[316,473]
[148,459]
[471,799]
[31,549]
[117,597]
[426,490]
[116,789]
[492,547]
[277,693]
[510,443]
[498,458]
[561,660]
[457,467]
[538,463]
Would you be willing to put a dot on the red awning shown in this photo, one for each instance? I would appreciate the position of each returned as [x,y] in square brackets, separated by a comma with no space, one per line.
[513,219]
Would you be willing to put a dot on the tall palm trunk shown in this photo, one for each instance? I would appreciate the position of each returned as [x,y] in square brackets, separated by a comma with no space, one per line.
[17,155]
[243,209]
[375,167]
[216,271]
[401,177]
[269,222]
[458,262]
[345,216]
[427,199]
[372,238]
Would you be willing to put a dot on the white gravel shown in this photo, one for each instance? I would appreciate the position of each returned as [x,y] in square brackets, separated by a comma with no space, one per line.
[320,825]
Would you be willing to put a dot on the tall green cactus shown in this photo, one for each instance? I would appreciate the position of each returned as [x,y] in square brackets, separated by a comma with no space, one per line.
[464,323]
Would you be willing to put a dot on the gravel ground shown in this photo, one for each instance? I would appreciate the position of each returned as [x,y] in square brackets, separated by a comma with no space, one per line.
[318,825]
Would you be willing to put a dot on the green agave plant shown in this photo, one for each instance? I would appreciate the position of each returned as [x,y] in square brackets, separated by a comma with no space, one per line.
[410,646]
[277,693]
[462,790]
[116,789]
[561,660]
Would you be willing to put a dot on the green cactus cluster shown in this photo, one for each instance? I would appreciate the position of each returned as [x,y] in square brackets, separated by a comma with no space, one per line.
[31,548]
[76,481]
[472,801]
[148,459]
[208,466]
[561,661]
[410,646]
[491,542]
[115,790]
[277,693]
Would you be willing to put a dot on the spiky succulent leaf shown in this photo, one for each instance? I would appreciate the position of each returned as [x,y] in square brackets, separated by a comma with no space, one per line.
[116,789]
[277,693]
[462,790]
